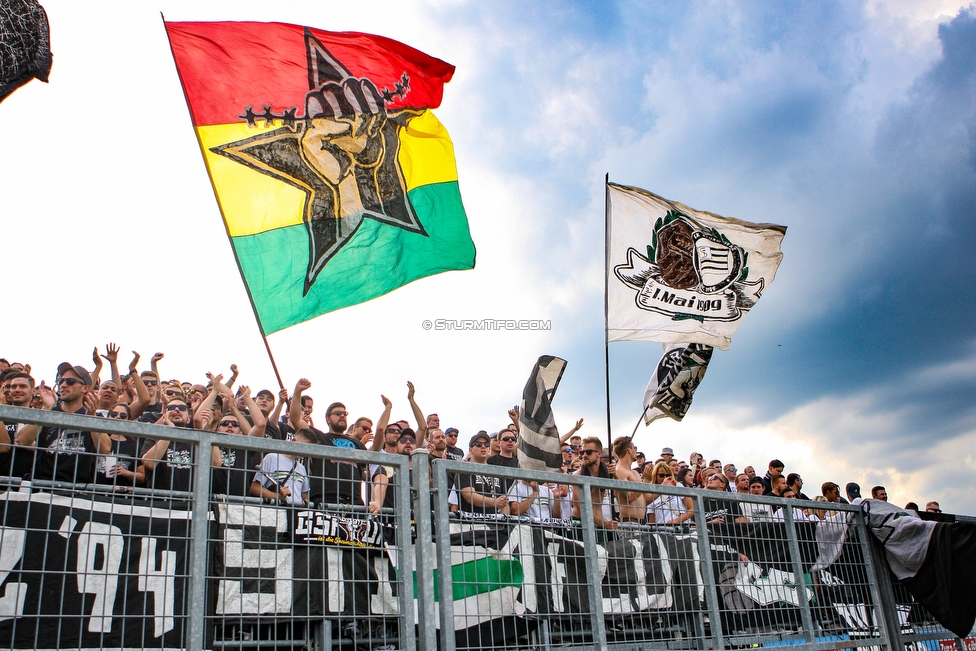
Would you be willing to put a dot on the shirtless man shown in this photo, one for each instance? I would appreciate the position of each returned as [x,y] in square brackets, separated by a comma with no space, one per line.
[631,503]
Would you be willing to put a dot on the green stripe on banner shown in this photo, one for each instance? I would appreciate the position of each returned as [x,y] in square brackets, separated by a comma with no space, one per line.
[378,259]
[477,577]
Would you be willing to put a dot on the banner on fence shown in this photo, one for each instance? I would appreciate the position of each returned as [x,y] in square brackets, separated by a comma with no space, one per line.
[90,575]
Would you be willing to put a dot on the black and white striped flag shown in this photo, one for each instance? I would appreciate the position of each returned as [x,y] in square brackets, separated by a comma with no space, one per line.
[672,387]
[538,445]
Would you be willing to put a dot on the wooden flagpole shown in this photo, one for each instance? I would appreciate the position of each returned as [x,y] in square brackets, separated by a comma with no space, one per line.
[203,154]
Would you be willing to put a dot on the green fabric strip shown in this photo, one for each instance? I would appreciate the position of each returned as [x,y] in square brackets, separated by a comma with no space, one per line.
[476,577]
[378,259]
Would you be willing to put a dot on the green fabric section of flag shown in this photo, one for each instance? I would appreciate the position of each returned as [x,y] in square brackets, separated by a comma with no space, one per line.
[476,577]
[377,260]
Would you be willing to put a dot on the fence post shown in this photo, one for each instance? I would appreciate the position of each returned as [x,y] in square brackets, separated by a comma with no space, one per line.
[445,584]
[881,590]
[403,508]
[199,535]
[801,586]
[708,575]
[423,580]
[594,587]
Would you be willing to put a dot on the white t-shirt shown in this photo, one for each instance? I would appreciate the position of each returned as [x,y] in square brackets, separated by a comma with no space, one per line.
[278,470]
[757,512]
[666,508]
[541,507]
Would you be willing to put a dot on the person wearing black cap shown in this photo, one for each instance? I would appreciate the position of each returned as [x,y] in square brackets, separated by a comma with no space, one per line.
[65,454]
[454,453]
[480,493]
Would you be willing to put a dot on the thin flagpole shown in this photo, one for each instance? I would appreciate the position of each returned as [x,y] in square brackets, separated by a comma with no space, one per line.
[203,153]
[638,422]
[606,303]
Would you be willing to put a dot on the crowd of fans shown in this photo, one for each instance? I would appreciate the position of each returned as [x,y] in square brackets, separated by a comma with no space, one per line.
[75,456]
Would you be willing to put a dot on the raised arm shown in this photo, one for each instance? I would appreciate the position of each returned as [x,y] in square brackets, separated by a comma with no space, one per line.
[295,408]
[112,356]
[276,413]
[379,437]
[203,415]
[96,380]
[138,405]
[260,422]
[417,413]
[233,377]
[565,437]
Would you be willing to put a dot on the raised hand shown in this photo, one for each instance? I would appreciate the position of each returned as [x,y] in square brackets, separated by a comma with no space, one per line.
[410,390]
[386,402]
[513,413]
[156,357]
[90,402]
[579,423]
[303,385]
[134,363]
[111,353]
[283,395]
[96,359]
[48,399]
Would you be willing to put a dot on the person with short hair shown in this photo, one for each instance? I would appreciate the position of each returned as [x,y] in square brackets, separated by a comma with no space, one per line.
[66,454]
[795,483]
[742,483]
[775,469]
[454,453]
[631,504]
[933,507]
[282,476]
[830,491]
[667,509]
[592,466]
[749,470]
[719,511]
[879,493]
[481,493]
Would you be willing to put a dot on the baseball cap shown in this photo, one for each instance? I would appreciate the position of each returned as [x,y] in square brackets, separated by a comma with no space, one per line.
[85,376]
[640,455]
[480,436]
[448,431]
[265,392]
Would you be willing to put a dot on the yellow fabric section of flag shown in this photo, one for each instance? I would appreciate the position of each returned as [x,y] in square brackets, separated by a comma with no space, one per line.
[254,203]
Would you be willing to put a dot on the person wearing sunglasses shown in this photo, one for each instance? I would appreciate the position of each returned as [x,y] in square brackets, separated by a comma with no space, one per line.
[507,441]
[65,454]
[481,493]
[171,462]
[591,465]
[122,467]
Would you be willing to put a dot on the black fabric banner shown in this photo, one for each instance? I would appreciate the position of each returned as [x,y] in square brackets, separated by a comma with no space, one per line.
[89,574]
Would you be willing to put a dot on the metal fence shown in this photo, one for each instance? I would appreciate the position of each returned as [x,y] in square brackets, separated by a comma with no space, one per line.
[431,566]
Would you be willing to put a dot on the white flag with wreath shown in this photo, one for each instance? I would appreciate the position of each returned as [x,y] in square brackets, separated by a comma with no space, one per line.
[675,274]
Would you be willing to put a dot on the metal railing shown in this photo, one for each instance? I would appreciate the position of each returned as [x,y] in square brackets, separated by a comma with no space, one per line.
[96,566]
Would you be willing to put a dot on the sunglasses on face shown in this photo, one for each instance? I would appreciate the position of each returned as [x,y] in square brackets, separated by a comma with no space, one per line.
[70,381]
[392,430]
[121,415]
[339,413]
[172,393]
[481,444]
[408,440]
[150,383]
[229,423]
[508,439]
[366,428]
[587,453]
[175,407]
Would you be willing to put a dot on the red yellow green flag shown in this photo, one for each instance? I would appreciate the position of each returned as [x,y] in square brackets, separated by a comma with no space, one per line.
[336,182]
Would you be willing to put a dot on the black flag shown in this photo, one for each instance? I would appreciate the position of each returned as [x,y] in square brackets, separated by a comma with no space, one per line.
[25,44]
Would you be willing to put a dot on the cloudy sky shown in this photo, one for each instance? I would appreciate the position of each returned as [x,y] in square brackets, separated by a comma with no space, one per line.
[854,124]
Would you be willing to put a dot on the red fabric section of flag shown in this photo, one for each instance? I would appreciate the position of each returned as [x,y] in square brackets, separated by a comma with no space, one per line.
[226,67]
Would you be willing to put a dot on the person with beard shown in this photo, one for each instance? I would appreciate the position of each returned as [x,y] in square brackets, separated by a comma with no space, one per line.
[65,454]
[592,466]
[171,463]
[332,481]
[16,461]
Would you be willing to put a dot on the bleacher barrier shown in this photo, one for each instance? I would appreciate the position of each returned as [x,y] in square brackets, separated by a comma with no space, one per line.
[200,563]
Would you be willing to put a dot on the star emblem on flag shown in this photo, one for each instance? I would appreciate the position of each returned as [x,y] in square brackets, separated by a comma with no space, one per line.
[342,153]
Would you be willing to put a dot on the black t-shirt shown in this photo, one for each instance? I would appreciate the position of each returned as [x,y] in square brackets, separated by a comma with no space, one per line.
[490,487]
[126,453]
[174,472]
[236,473]
[65,454]
[455,454]
[508,462]
[16,462]
[719,508]
[335,482]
